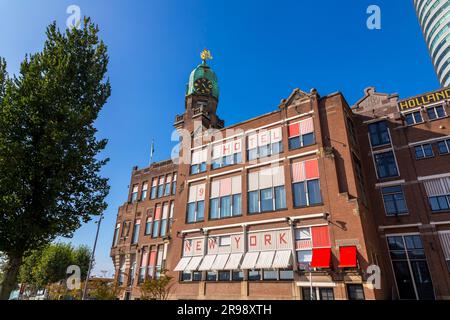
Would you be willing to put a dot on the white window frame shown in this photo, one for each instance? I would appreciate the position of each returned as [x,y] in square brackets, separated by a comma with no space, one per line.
[375,163]
[423,151]
[435,112]
[384,205]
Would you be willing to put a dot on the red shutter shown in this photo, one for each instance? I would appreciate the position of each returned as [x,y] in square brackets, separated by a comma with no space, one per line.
[158,212]
[152,258]
[320,237]
[321,258]
[312,169]
[294,130]
[347,257]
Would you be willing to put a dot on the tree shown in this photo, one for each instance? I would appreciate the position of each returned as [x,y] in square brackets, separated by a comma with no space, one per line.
[103,289]
[49,265]
[157,288]
[50,179]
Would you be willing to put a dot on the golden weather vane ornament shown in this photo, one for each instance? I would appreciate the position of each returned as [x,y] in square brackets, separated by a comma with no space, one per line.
[206,55]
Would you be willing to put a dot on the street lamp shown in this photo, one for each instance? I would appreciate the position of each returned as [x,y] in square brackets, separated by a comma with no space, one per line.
[92,257]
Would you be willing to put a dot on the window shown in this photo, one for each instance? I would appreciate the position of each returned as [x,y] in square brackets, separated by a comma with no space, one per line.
[379,133]
[266,191]
[311,244]
[326,293]
[355,292]
[136,229]
[301,134]
[423,151]
[165,217]
[237,275]
[198,161]
[116,235]
[168,185]
[211,276]
[161,187]
[152,263]
[159,262]
[121,277]
[225,198]
[174,184]
[144,191]
[386,165]
[286,275]
[156,221]
[444,146]
[134,193]
[360,179]
[226,154]
[436,112]
[439,203]
[438,192]
[143,266]
[270,275]
[306,183]
[148,226]
[309,294]
[196,205]
[171,212]
[132,269]
[304,258]
[317,292]
[394,200]
[254,275]
[224,275]
[410,267]
[154,188]
[264,144]
[413,118]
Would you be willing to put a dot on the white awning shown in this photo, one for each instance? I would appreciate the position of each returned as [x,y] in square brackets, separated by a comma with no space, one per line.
[283,259]
[207,262]
[233,261]
[182,264]
[265,260]
[194,263]
[220,262]
[250,260]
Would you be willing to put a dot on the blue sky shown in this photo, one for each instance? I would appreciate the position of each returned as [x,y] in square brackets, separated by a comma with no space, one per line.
[262,51]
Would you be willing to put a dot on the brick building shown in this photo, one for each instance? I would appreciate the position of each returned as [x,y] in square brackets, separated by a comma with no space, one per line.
[309,201]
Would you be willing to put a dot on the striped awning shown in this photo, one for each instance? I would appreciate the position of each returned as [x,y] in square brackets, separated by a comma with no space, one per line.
[250,260]
[193,264]
[220,262]
[283,259]
[445,242]
[265,260]
[207,262]
[234,261]
[182,264]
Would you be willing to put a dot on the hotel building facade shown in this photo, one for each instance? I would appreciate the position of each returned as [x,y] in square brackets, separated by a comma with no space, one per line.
[315,200]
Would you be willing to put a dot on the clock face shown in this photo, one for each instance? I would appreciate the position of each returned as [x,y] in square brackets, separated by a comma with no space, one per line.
[203,86]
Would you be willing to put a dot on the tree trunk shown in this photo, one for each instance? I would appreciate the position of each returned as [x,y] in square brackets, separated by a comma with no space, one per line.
[10,275]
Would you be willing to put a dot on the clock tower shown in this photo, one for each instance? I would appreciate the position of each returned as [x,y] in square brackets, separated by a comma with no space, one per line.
[202,97]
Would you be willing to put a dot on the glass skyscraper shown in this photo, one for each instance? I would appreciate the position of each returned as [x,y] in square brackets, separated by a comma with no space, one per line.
[434,18]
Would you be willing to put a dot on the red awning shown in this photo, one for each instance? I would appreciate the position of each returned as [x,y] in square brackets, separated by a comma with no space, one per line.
[321,258]
[347,257]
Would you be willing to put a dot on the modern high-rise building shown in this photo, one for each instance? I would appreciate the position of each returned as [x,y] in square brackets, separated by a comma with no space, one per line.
[434,18]
[313,200]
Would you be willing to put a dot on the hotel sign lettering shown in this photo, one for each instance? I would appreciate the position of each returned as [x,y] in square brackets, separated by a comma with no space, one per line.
[256,241]
[424,99]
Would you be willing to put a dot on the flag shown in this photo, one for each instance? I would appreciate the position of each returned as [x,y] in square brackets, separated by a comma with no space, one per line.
[152,150]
